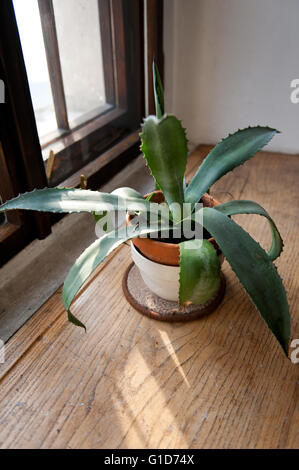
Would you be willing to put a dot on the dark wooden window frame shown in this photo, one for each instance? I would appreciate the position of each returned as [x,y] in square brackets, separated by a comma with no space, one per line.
[21,165]
[21,168]
[100,131]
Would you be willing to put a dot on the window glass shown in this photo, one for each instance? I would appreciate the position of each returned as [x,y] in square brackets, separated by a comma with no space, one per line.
[78,33]
[30,31]
[77,25]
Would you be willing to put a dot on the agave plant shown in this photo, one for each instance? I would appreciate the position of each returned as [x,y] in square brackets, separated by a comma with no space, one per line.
[164,146]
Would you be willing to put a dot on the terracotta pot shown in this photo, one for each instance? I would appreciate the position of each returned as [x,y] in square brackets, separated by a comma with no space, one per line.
[167,253]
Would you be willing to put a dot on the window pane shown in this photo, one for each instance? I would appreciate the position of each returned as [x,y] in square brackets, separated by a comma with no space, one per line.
[79,41]
[30,31]
[80,51]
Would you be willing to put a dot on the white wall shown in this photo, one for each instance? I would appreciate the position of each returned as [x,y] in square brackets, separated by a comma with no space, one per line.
[229,64]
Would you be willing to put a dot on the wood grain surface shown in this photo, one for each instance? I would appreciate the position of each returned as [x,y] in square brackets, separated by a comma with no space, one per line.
[132,382]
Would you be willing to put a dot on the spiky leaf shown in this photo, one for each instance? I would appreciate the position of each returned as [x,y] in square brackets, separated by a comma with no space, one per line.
[255,271]
[124,192]
[90,259]
[199,272]
[79,200]
[231,152]
[158,92]
[164,146]
[250,207]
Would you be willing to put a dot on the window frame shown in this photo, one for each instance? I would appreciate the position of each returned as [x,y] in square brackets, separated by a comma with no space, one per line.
[21,167]
[106,127]
[22,153]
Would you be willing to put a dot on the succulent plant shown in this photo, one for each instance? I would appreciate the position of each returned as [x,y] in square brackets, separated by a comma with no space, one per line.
[164,146]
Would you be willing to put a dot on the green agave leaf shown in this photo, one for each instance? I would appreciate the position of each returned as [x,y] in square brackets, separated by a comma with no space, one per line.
[231,152]
[255,271]
[79,200]
[164,146]
[72,319]
[250,207]
[158,92]
[124,192]
[127,192]
[199,271]
[92,257]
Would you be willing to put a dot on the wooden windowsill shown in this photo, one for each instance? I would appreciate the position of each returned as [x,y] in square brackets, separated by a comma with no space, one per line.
[132,382]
